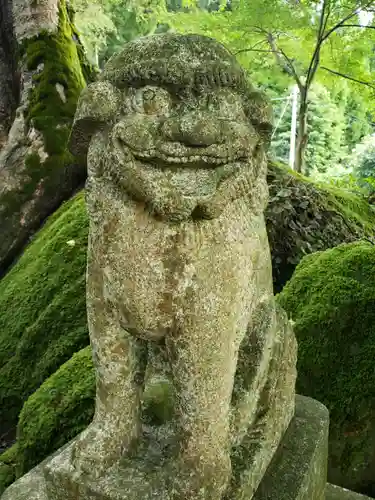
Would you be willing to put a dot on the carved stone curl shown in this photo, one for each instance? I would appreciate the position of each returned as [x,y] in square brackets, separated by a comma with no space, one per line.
[178,258]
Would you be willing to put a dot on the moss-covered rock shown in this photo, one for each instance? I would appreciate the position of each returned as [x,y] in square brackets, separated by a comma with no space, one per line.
[8,461]
[331,299]
[42,308]
[305,217]
[60,409]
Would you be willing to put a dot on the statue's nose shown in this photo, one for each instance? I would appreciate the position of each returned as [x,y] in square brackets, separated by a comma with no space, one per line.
[193,129]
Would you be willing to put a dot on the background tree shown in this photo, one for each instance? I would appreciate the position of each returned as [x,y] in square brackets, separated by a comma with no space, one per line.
[8,74]
[105,26]
[326,129]
[38,94]
[94,26]
[362,163]
[302,39]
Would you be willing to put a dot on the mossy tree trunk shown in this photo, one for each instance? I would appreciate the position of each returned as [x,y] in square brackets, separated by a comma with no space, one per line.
[8,73]
[42,72]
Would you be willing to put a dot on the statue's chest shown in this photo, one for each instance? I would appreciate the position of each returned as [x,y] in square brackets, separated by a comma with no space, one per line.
[153,271]
[133,245]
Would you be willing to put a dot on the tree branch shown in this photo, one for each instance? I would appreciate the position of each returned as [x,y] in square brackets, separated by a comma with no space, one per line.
[346,18]
[269,51]
[292,70]
[357,26]
[337,73]
[286,64]
[253,48]
[314,62]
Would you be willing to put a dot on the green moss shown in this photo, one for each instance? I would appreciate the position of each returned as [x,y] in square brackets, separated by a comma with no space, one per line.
[158,402]
[60,409]
[64,405]
[8,461]
[42,304]
[331,299]
[353,206]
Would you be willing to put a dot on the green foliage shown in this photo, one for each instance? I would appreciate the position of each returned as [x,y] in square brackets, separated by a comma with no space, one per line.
[345,182]
[253,32]
[362,160]
[106,26]
[331,299]
[94,26]
[358,118]
[128,25]
[42,304]
[276,41]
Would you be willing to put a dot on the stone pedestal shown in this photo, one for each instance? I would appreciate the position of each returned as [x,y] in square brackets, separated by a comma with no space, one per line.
[337,493]
[296,472]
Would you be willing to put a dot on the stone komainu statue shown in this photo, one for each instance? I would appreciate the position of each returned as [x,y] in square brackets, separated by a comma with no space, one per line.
[178,257]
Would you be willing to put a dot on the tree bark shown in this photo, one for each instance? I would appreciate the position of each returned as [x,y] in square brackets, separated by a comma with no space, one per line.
[8,74]
[302,136]
[38,95]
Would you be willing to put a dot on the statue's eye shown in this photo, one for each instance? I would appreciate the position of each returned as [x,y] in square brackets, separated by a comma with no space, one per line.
[151,100]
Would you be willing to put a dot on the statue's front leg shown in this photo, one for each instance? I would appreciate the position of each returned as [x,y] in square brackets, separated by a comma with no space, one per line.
[203,360]
[119,361]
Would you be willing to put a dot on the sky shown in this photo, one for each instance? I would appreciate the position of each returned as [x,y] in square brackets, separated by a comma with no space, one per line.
[365,18]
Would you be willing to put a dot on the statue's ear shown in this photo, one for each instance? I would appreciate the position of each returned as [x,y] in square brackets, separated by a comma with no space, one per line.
[97,105]
[261,115]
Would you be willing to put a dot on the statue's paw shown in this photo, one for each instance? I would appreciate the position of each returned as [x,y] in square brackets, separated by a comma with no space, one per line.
[97,449]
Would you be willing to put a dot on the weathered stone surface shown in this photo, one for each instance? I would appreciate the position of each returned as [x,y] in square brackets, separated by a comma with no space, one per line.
[334,492]
[178,257]
[32,485]
[298,470]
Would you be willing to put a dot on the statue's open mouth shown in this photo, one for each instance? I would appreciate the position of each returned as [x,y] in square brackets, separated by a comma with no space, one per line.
[176,155]
[163,160]
[201,161]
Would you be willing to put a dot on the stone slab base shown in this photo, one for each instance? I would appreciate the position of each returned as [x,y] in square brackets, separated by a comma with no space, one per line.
[296,472]
[334,492]
[149,476]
